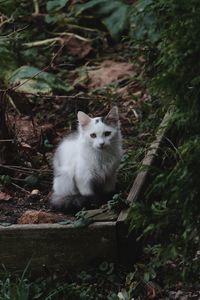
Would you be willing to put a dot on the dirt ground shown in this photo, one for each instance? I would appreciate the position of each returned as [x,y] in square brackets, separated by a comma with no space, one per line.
[36,123]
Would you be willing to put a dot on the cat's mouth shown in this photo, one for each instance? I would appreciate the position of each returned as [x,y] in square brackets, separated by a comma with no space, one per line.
[101,147]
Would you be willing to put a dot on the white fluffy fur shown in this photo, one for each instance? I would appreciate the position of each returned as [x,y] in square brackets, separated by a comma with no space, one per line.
[81,159]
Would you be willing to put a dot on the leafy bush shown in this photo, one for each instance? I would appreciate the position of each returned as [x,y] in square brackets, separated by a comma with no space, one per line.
[113,14]
[168,221]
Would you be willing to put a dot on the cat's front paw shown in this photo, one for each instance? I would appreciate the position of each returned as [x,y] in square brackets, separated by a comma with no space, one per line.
[72,204]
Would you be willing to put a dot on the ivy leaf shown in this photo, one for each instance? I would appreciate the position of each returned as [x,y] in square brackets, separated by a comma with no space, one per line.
[5,224]
[117,21]
[55,5]
[65,222]
[5,179]
[47,145]
[82,222]
[146,277]
[31,180]
[30,55]
[36,81]
[33,87]
[81,219]
[8,6]
[52,19]
[6,55]
[114,14]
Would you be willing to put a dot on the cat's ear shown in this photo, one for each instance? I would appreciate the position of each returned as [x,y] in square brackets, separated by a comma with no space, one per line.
[83,119]
[112,116]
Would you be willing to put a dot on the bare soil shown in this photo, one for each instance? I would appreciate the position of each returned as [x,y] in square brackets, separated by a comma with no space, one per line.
[37,123]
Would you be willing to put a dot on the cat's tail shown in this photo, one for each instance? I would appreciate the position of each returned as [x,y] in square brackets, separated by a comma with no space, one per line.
[72,204]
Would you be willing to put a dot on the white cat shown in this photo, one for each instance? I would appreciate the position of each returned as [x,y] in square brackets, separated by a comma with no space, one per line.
[86,163]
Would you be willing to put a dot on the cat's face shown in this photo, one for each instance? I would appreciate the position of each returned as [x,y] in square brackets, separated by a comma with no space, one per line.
[100,133]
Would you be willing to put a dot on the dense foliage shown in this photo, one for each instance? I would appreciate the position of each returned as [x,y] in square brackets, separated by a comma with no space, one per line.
[168,221]
[100,284]
[36,33]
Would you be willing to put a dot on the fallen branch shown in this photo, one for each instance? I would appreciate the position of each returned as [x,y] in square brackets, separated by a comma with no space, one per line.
[7,20]
[54,40]
[20,188]
[43,42]
[24,170]
[13,104]
[56,96]
[10,35]
[75,35]
[36,7]
[7,140]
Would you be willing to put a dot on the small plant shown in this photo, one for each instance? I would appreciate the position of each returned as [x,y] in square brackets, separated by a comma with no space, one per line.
[117,203]
[5,179]
[100,283]
[81,220]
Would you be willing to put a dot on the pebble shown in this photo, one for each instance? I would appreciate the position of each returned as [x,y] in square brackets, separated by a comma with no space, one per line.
[35,192]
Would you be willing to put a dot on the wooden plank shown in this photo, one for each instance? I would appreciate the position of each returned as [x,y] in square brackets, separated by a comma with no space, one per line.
[55,247]
[64,247]
[123,216]
[141,178]
[127,247]
[101,215]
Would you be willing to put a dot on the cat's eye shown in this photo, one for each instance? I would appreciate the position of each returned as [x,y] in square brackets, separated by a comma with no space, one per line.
[107,133]
[93,135]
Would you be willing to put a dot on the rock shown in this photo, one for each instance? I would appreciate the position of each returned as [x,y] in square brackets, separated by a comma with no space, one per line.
[5,196]
[35,192]
[39,217]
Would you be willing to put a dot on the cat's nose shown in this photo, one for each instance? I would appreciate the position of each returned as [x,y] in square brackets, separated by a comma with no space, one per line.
[101,145]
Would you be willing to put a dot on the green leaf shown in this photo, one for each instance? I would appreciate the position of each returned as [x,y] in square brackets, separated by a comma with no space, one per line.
[5,224]
[104,266]
[113,14]
[117,21]
[65,222]
[149,229]
[30,55]
[47,145]
[36,81]
[52,19]
[83,222]
[55,5]
[146,277]
[6,55]
[5,179]
[34,87]
[31,180]
[8,6]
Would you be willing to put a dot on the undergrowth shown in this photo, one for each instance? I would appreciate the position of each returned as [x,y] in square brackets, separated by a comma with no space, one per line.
[167,222]
[101,283]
